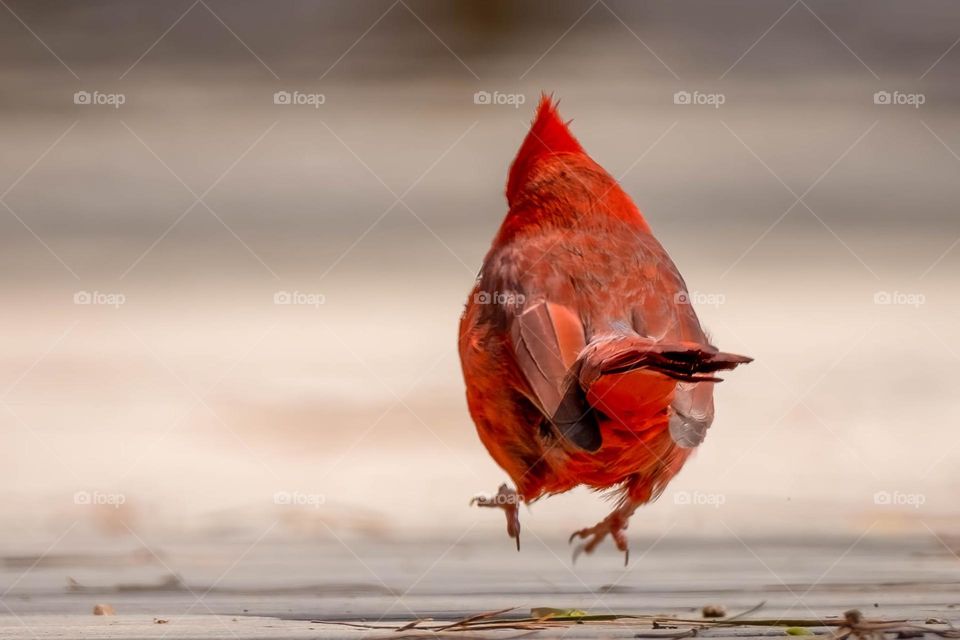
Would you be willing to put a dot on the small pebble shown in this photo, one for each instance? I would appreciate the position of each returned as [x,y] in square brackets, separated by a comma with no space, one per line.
[714,611]
[853,616]
[103,610]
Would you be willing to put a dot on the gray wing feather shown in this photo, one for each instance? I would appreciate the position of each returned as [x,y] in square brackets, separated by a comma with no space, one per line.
[691,413]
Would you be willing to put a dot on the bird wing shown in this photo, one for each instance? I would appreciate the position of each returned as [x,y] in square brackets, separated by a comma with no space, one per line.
[691,413]
[626,375]
[547,339]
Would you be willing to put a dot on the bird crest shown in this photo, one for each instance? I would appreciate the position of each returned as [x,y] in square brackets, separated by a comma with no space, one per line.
[548,135]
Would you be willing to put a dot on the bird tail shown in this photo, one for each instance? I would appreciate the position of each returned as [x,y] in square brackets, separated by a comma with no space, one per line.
[683,361]
[640,373]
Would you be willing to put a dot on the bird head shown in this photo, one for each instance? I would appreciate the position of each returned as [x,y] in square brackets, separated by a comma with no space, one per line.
[552,178]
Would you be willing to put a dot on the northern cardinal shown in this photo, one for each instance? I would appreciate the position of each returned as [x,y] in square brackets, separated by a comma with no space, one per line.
[584,361]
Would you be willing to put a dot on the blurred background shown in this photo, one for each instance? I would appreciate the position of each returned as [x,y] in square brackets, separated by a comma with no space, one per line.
[237,238]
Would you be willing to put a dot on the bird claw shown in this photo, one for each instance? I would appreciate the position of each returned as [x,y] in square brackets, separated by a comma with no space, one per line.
[613,526]
[508,500]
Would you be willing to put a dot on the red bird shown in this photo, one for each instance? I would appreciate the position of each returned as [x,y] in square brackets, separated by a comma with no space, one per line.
[584,361]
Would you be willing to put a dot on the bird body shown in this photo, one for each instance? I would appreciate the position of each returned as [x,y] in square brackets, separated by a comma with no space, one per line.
[585,363]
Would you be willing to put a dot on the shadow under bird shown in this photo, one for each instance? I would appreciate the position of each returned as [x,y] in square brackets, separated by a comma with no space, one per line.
[584,361]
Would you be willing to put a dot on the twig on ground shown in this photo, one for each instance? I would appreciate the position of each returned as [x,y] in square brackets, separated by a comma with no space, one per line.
[852,626]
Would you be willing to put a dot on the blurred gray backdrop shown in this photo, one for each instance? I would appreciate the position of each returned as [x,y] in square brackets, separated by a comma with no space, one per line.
[237,237]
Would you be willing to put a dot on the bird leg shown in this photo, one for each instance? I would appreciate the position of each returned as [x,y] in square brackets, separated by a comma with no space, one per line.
[508,500]
[613,525]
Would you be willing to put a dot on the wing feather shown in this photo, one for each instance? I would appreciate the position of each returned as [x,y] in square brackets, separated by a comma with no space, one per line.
[547,340]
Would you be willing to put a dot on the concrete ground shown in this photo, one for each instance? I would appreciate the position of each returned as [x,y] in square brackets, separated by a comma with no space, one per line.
[299,590]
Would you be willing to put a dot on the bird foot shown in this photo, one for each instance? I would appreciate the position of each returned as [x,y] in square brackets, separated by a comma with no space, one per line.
[614,526]
[508,500]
